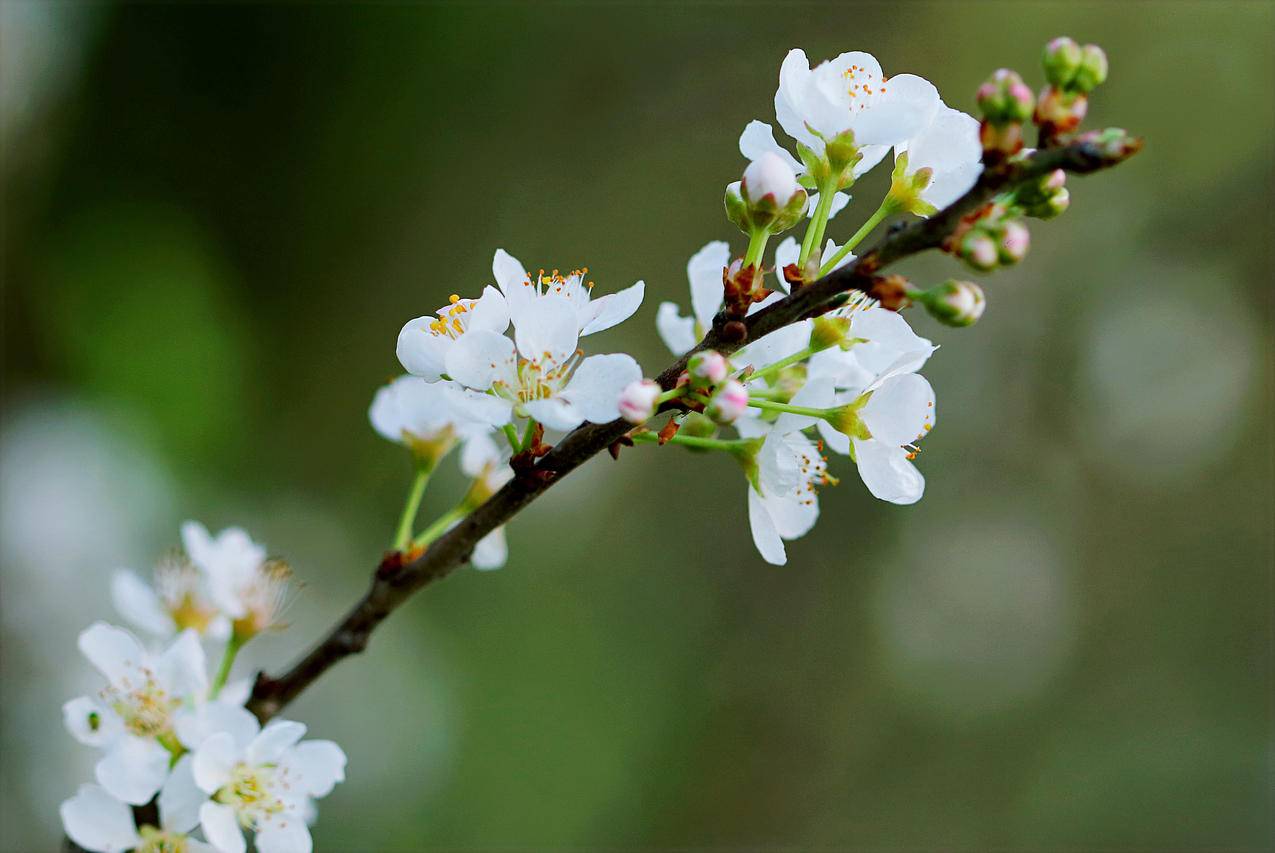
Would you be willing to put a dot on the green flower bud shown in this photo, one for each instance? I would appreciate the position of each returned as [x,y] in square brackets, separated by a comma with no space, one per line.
[1061,59]
[1005,98]
[955,303]
[1092,71]
[1015,239]
[978,250]
[698,426]
[905,189]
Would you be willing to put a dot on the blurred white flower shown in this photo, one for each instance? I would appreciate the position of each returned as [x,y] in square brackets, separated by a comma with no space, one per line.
[488,464]
[265,782]
[178,599]
[133,719]
[252,591]
[99,822]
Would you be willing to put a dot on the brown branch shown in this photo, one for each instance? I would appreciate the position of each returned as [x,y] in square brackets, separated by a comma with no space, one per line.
[395,580]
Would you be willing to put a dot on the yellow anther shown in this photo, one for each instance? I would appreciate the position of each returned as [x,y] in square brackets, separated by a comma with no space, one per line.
[454,298]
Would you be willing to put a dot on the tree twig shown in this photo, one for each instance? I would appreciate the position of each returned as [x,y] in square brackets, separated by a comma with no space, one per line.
[398,577]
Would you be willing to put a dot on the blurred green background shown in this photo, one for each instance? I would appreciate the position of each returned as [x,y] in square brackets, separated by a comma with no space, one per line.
[216,219]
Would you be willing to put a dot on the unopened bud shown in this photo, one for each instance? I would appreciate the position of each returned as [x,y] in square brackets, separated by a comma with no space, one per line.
[1055,180]
[955,303]
[769,175]
[1005,98]
[697,426]
[708,367]
[1092,71]
[1055,205]
[1061,59]
[1014,242]
[979,250]
[729,403]
[637,401]
[1061,108]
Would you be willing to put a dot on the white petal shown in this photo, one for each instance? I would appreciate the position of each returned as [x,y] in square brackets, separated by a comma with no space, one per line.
[489,311]
[794,77]
[901,411]
[787,252]
[830,250]
[317,764]
[99,822]
[137,602]
[195,725]
[547,330]
[113,651]
[422,352]
[887,473]
[384,414]
[90,722]
[555,413]
[677,332]
[273,740]
[181,668]
[908,106]
[491,552]
[508,272]
[838,442]
[478,452]
[480,358]
[470,408]
[765,536]
[236,692]
[284,836]
[197,542]
[792,518]
[614,308]
[817,393]
[221,828]
[704,271]
[133,769]
[758,138]
[214,760]
[594,390]
[180,799]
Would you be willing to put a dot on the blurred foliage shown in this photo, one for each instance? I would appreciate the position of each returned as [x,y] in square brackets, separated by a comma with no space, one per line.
[217,218]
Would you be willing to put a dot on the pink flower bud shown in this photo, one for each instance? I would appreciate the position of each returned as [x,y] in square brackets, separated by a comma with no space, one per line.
[1014,242]
[769,175]
[708,367]
[1056,180]
[637,401]
[729,403]
[979,251]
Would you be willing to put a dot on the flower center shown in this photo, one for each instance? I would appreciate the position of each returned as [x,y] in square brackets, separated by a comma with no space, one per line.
[814,475]
[146,709]
[451,320]
[863,86]
[157,841]
[265,598]
[179,586]
[251,793]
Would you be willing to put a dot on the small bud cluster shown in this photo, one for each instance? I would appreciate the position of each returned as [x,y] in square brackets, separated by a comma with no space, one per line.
[1044,198]
[996,237]
[954,303]
[1072,72]
[1006,102]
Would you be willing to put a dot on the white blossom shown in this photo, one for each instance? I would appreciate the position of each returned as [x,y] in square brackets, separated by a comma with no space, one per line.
[179,598]
[540,374]
[265,782]
[522,291]
[251,590]
[423,342]
[846,93]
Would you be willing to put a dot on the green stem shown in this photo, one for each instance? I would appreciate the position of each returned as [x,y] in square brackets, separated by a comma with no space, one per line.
[780,365]
[771,405]
[233,645]
[511,435]
[731,445]
[527,433]
[756,247]
[671,394]
[886,208]
[818,222]
[403,534]
[440,525]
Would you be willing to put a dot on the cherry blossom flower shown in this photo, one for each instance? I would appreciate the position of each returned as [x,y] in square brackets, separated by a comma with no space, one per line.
[704,271]
[849,93]
[102,823]
[265,782]
[423,342]
[252,591]
[592,315]
[430,417]
[178,599]
[540,374]
[133,719]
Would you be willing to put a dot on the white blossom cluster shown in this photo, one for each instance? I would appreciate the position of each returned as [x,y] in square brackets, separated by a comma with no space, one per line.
[171,733]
